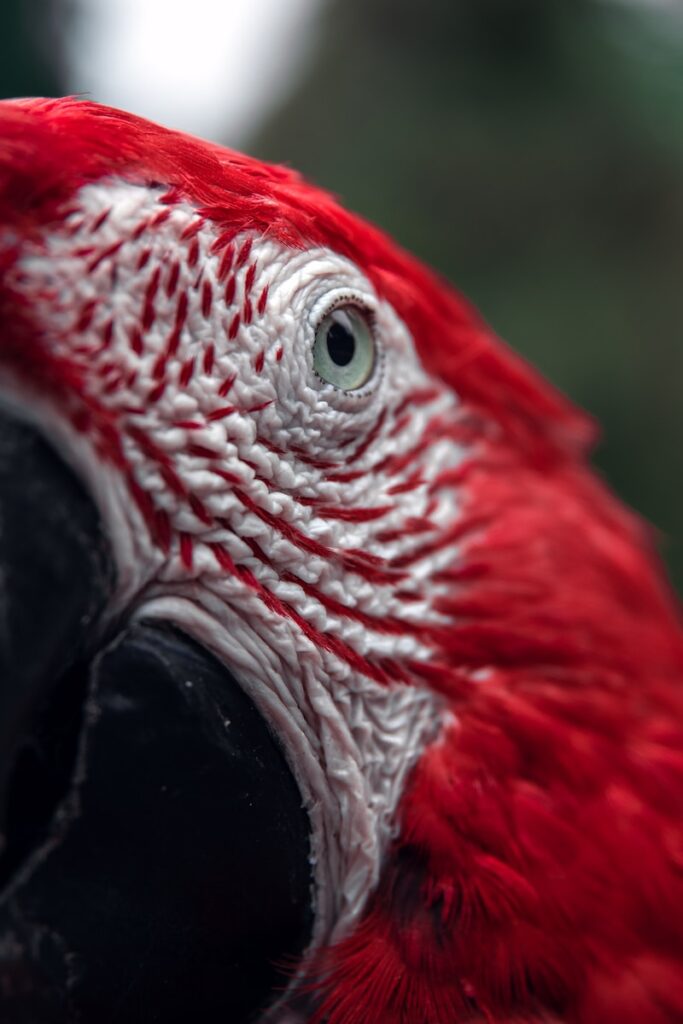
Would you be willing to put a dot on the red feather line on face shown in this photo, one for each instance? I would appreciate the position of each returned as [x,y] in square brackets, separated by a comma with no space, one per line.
[539,870]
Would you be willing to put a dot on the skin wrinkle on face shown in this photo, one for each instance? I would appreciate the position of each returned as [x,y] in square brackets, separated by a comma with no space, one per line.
[282,434]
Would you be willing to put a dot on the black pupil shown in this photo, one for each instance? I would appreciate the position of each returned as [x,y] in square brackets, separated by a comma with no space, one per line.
[341,344]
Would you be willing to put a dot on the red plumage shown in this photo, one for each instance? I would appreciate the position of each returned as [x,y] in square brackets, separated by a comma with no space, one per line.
[52,147]
[538,869]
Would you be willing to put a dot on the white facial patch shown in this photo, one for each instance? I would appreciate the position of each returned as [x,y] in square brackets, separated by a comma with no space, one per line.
[294,529]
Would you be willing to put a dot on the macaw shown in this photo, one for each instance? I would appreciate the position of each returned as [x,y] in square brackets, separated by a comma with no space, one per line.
[334,558]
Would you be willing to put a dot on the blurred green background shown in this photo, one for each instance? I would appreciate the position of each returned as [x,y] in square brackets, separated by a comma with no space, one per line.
[530,150]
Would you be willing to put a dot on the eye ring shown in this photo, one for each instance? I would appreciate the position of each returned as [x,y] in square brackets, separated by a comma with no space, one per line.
[344,348]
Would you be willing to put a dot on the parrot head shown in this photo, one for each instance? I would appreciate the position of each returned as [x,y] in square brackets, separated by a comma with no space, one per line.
[310,459]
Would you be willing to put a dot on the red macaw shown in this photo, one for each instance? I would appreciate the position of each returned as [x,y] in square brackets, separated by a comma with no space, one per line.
[311,457]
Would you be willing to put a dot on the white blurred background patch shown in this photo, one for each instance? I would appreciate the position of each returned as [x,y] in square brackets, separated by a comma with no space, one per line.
[212,67]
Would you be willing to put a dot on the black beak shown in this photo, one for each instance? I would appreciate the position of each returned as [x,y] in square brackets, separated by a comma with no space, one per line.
[154,851]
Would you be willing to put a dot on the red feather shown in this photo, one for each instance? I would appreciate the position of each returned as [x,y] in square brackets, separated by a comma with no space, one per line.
[539,870]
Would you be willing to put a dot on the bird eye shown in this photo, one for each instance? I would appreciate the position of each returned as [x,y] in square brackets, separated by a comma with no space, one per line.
[344,348]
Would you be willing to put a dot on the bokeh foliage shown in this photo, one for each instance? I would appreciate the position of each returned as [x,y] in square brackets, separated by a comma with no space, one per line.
[532,151]
[32,34]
